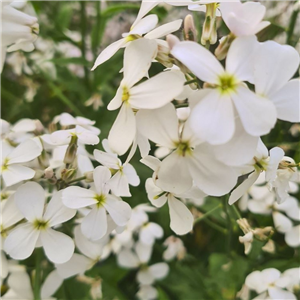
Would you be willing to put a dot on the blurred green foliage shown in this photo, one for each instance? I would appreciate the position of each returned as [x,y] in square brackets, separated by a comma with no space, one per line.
[215,267]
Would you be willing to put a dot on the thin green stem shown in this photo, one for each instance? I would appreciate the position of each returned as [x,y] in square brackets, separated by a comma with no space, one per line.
[179,105]
[236,211]
[83,34]
[215,226]
[37,277]
[76,179]
[290,32]
[191,81]
[229,224]
[204,216]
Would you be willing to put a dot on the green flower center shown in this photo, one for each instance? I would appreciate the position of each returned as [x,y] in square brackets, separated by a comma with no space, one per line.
[40,224]
[125,94]
[183,148]
[227,83]
[100,200]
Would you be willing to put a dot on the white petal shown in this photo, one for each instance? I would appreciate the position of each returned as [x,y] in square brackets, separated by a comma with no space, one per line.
[144,25]
[181,218]
[292,238]
[199,60]
[108,52]
[152,162]
[116,102]
[21,241]
[119,185]
[123,131]
[56,212]
[30,200]
[173,174]
[26,151]
[145,7]
[77,264]
[78,197]
[281,222]
[24,125]
[255,282]
[274,65]
[276,155]
[109,160]
[51,284]
[211,176]
[4,266]
[258,114]
[58,247]
[19,282]
[240,58]
[91,249]
[270,275]
[153,191]
[159,125]
[287,101]
[212,119]
[145,277]
[127,259]
[277,293]
[243,188]
[138,57]
[239,150]
[164,30]
[143,252]
[159,270]
[101,178]
[119,210]
[10,214]
[94,225]
[167,85]
[130,173]
[16,173]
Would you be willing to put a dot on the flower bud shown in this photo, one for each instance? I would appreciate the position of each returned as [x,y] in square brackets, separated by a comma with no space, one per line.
[49,173]
[190,32]
[71,151]
[222,49]
[89,176]
[68,174]
[209,29]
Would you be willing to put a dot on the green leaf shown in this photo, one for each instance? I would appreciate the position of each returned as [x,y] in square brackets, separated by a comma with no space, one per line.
[70,60]
[270,32]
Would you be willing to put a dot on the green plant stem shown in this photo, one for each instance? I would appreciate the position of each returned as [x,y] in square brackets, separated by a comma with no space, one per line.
[207,214]
[290,31]
[215,226]
[37,277]
[236,211]
[76,179]
[83,34]
[191,81]
[229,224]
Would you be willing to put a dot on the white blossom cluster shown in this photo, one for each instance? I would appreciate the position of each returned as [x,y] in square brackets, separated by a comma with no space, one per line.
[205,113]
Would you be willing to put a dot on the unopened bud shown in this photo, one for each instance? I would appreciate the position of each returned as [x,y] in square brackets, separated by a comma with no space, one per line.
[39,126]
[68,174]
[49,173]
[269,247]
[172,40]
[163,56]
[209,30]
[244,225]
[89,176]
[190,32]
[38,174]
[71,151]
[222,49]
[263,233]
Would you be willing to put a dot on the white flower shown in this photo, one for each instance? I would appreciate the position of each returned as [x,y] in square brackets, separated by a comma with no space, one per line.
[123,174]
[139,216]
[147,292]
[37,231]
[149,232]
[269,284]
[213,118]
[66,119]
[292,237]
[18,31]
[243,19]
[63,137]
[181,219]
[175,248]
[191,162]
[94,225]
[142,27]
[150,94]
[13,170]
